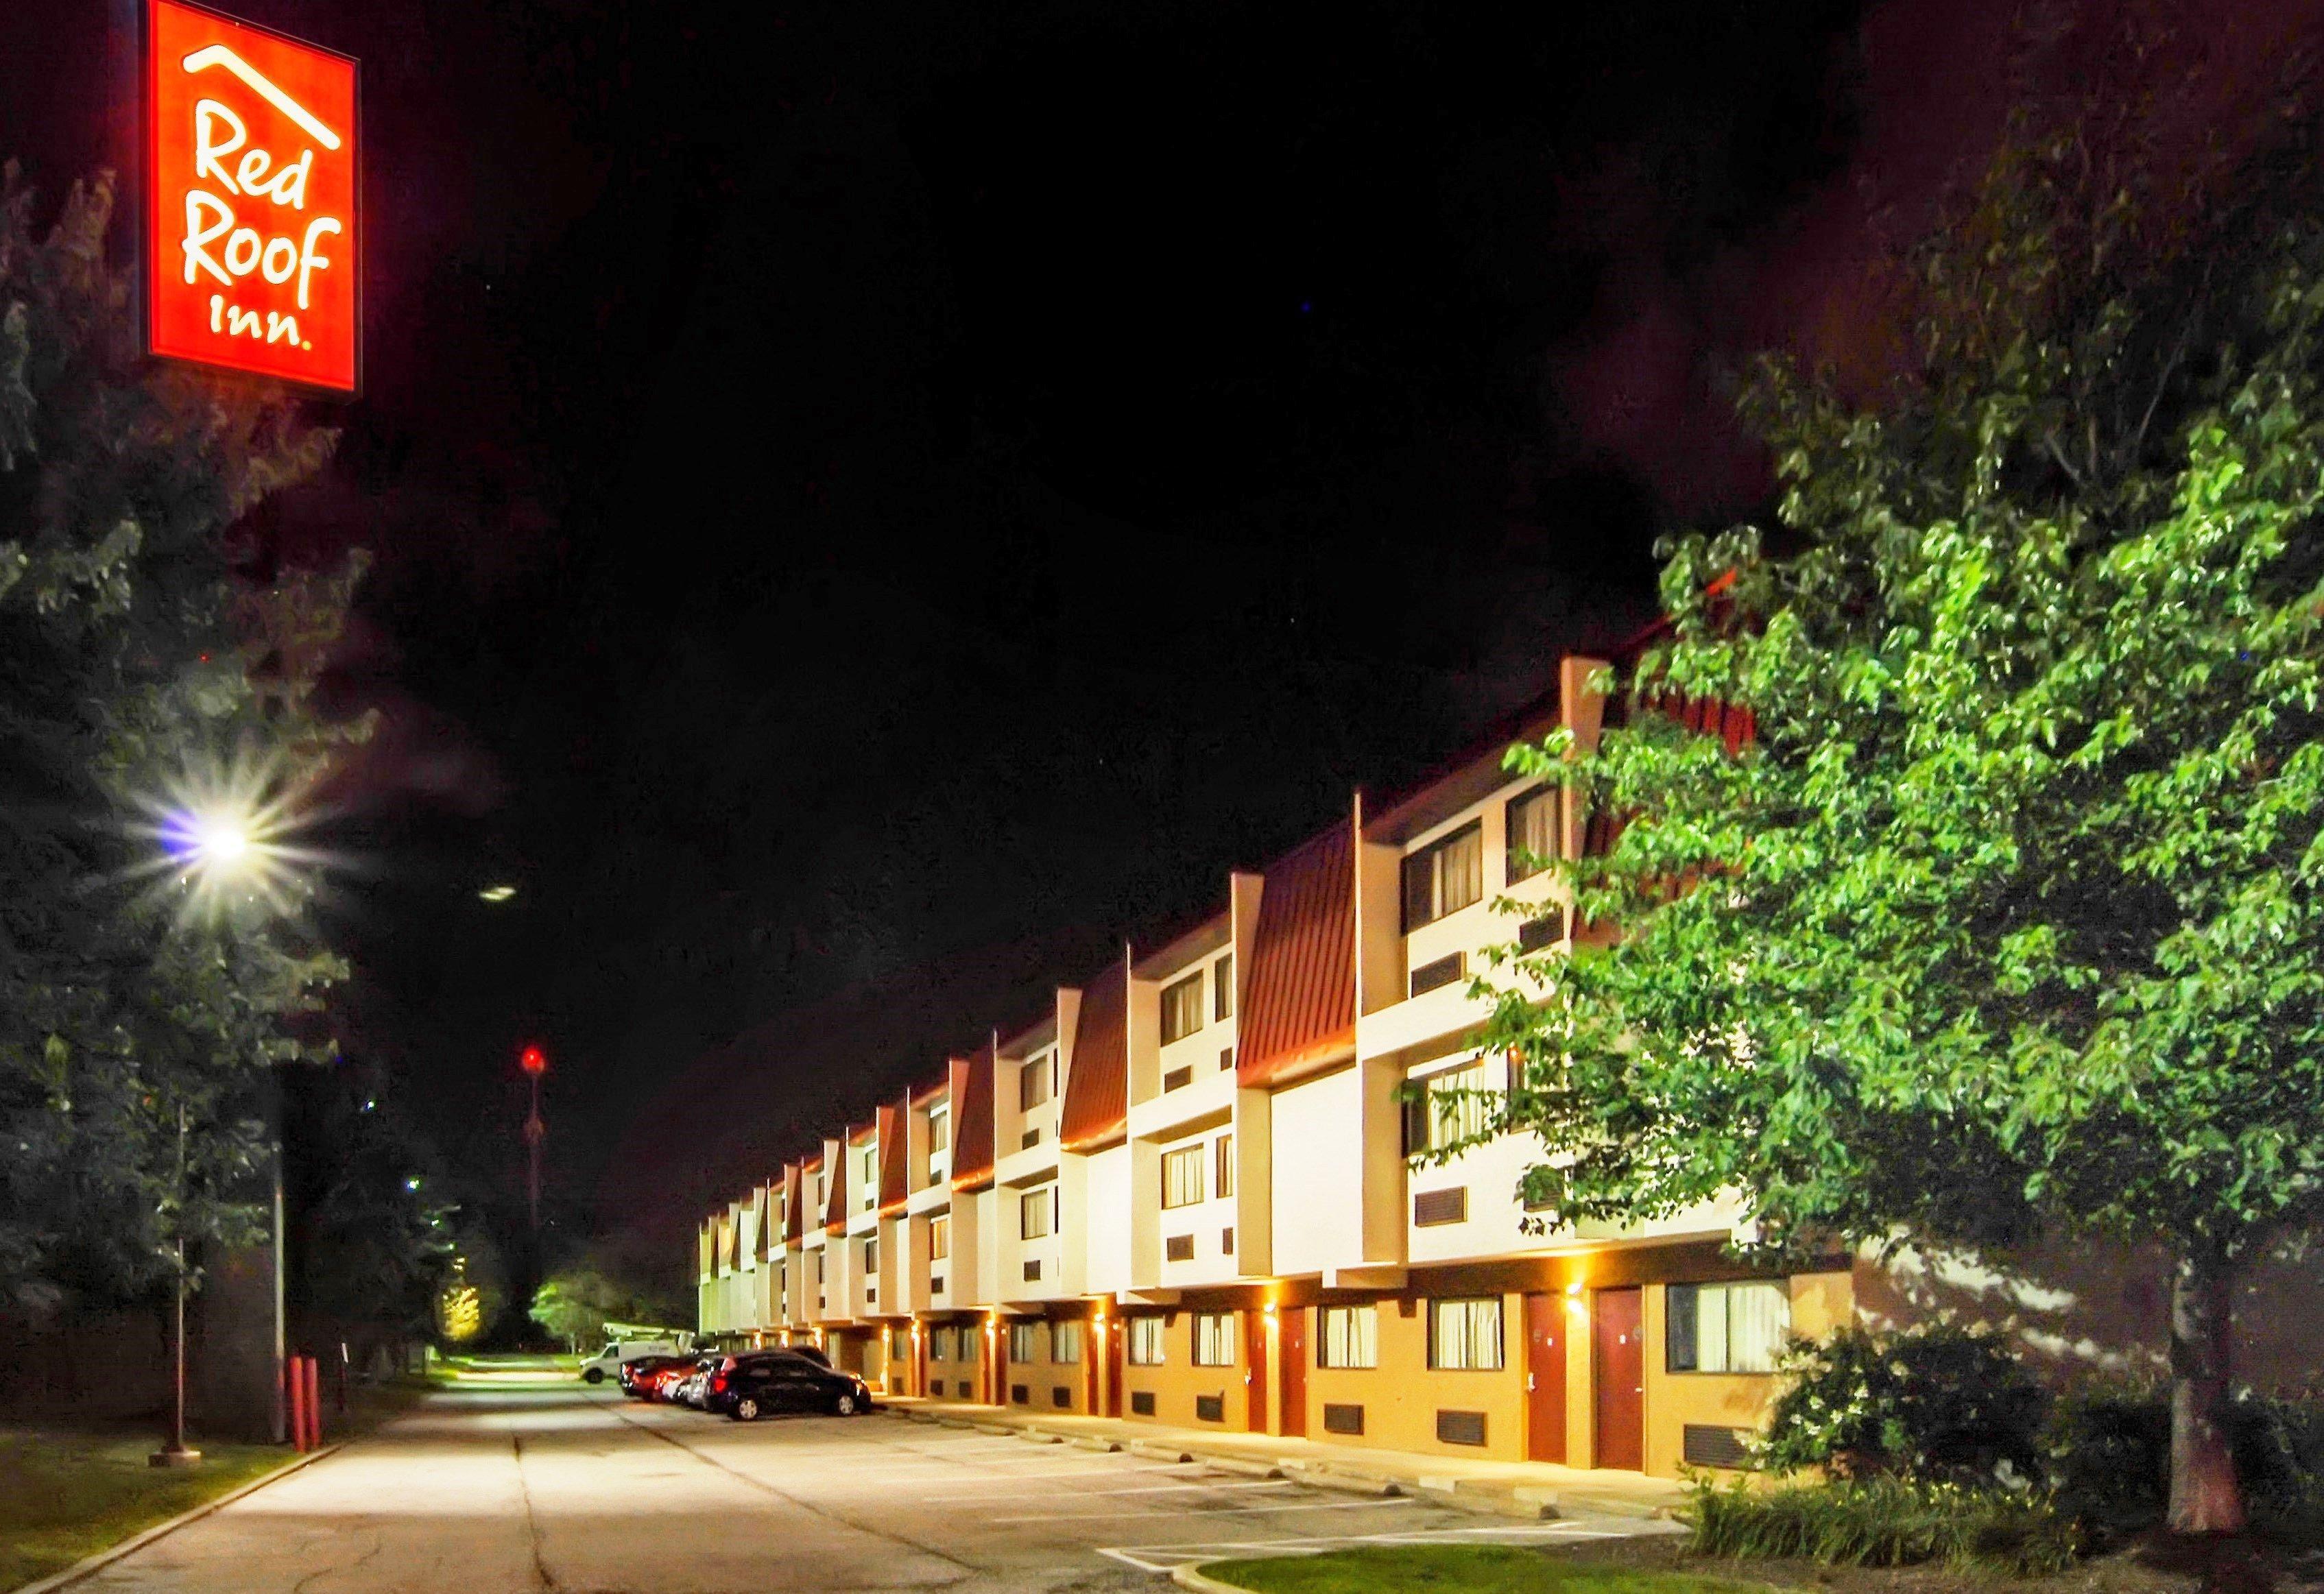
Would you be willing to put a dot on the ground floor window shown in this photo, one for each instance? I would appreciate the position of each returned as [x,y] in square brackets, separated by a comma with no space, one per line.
[1726,1327]
[1465,1335]
[1350,1336]
[1064,1342]
[1215,1339]
[1021,1342]
[1146,1341]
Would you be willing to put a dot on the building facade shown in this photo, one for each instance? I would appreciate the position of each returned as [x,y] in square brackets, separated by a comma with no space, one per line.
[1195,1191]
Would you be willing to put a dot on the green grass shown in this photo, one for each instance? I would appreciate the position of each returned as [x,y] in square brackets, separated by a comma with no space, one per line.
[65,1493]
[1469,1568]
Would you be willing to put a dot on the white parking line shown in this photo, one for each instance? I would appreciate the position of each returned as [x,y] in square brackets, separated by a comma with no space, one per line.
[1221,1487]
[1222,1511]
[1161,1558]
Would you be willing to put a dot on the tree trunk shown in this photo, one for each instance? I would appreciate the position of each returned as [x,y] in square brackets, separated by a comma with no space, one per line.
[2205,1497]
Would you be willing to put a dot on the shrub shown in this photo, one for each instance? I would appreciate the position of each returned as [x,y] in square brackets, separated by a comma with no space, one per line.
[1931,1401]
[2107,1453]
[1890,1521]
[2108,1450]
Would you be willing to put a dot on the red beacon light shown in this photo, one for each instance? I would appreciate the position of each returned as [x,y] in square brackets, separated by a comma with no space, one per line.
[533,1059]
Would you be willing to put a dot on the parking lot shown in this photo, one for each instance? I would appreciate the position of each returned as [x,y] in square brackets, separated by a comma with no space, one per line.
[570,1492]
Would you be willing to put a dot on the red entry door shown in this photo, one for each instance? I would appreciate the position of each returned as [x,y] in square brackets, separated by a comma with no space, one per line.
[1254,1368]
[1545,1377]
[1116,1355]
[1000,1361]
[1292,1346]
[1617,1360]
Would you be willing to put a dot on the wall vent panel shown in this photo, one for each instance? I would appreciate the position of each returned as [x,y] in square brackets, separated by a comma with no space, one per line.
[1707,1446]
[1459,1427]
[1431,1208]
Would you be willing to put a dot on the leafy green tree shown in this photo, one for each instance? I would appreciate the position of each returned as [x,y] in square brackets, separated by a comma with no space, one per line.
[576,1303]
[145,670]
[374,1230]
[2006,921]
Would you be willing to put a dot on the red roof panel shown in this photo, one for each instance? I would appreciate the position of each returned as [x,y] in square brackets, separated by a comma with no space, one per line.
[835,1193]
[1299,998]
[1096,1108]
[893,1159]
[972,1120]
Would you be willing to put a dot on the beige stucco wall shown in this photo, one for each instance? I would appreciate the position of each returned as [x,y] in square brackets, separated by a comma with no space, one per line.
[1177,1382]
[1402,1396]
[2078,1306]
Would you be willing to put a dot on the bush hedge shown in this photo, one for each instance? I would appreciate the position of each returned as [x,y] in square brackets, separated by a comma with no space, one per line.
[1934,1401]
[1889,1521]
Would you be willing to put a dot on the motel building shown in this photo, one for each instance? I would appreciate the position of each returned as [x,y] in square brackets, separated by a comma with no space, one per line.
[1185,1192]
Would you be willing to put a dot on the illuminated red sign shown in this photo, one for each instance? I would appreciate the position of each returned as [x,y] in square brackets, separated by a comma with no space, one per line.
[251,224]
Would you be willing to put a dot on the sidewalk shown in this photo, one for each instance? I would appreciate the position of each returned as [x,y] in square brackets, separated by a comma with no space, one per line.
[1531,1489]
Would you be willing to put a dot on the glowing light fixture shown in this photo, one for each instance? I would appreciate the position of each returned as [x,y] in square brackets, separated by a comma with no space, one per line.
[226,840]
[496,893]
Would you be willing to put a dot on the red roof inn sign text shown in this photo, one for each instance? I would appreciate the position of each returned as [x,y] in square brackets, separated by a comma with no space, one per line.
[251,227]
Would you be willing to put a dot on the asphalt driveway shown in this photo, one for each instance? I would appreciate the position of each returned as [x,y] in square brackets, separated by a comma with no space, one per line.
[559,1490]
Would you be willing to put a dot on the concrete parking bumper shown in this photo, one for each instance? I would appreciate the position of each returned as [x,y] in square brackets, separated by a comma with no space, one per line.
[1527,1491]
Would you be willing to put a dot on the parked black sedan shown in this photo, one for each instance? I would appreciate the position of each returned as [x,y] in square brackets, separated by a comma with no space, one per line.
[761,1383]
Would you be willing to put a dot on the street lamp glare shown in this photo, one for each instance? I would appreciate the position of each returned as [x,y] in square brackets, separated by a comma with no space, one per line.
[221,840]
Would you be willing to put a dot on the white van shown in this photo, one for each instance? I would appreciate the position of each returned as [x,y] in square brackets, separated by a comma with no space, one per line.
[608,1361]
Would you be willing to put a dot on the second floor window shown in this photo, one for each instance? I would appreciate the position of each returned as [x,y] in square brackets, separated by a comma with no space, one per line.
[1182,1008]
[1037,1213]
[1532,836]
[939,1130]
[871,1256]
[1146,1344]
[1033,1084]
[939,1237]
[1223,988]
[1182,1176]
[1351,1337]
[1447,1108]
[1223,1165]
[1215,1339]
[870,1180]
[1444,876]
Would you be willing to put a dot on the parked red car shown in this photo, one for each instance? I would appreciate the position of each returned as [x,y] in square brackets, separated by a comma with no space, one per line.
[649,1377]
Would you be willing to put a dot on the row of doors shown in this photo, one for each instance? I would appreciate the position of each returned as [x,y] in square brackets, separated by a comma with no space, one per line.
[1616,1358]
[1618,1377]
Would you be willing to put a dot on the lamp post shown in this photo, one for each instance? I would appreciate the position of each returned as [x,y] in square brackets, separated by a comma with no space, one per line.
[177,1453]
[217,848]
[535,1063]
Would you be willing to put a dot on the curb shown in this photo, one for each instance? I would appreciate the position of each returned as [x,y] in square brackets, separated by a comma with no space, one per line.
[1244,1465]
[1345,1480]
[1191,1576]
[1155,1450]
[161,1530]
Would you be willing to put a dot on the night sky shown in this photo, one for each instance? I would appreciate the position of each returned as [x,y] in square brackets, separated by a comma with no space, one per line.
[873,503]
